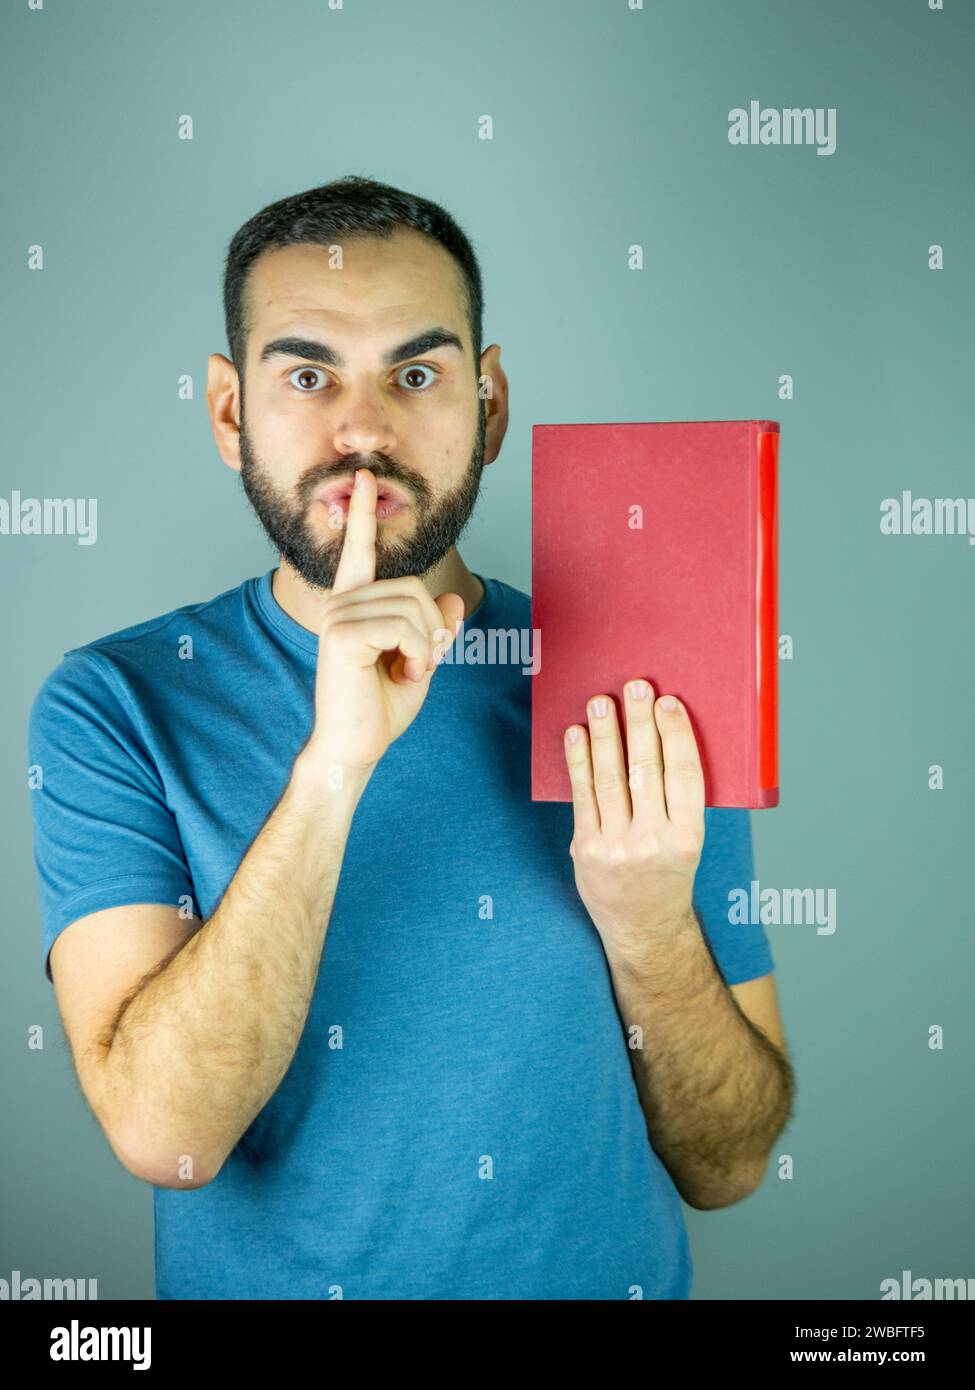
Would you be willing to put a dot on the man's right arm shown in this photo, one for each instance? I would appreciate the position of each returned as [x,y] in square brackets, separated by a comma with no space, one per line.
[201,1044]
[177,1062]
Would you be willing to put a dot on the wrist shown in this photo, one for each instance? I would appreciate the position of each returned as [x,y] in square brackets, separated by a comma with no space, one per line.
[649,948]
[328,781]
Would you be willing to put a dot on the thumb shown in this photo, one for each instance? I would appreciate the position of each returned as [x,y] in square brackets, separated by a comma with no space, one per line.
[452,607]
[452,610]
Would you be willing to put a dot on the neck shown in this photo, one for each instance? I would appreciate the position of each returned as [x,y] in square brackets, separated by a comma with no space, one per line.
[304,603]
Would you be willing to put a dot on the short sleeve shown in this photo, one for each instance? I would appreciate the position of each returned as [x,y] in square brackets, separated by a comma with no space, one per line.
[741,949]
[103,834]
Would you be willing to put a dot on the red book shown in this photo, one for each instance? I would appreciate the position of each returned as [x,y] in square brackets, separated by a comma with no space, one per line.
[654,554]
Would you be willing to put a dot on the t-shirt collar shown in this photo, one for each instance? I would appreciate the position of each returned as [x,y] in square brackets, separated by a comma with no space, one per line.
[298,636]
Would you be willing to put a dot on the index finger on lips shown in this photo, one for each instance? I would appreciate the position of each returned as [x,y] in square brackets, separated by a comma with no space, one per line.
[357,563]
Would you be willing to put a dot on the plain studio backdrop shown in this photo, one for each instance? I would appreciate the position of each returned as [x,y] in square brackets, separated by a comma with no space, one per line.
[759,263]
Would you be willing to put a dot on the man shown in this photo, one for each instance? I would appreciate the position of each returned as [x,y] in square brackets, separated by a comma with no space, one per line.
[372,1023]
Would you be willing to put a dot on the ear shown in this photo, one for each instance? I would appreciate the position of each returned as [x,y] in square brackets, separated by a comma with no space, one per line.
[493,389]
[223,404]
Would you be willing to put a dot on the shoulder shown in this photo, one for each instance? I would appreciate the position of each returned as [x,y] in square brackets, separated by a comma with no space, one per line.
[97,675]
[128,643]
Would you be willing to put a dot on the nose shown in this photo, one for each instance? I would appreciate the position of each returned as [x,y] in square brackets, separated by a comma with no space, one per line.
[363,426]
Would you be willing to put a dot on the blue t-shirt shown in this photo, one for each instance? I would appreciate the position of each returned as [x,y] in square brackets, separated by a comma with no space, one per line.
[477,1133]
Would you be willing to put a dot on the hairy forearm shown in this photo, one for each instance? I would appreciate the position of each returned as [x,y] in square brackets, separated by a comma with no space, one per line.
[203,1043]
[714,1090]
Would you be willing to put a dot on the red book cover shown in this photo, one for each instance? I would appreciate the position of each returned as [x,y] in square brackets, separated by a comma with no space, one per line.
[654,554]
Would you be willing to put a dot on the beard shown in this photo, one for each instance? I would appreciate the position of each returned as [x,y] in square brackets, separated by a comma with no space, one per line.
[438,521]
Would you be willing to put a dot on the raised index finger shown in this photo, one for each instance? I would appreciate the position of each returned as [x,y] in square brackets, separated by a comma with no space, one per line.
[357,563]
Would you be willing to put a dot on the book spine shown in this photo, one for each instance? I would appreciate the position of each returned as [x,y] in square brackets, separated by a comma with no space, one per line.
[767,615]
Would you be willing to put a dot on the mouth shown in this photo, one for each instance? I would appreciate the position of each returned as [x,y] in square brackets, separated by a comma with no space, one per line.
[390,501]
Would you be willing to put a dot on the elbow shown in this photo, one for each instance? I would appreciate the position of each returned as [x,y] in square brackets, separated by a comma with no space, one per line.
[721,1184]
[713,1190]
[161,1175]
[168,1168]
[134,1136]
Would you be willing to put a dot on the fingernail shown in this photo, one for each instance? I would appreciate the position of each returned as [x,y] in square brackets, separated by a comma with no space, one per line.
[358,475]
[668,702]
[599,708]
[638,689]
[573,735]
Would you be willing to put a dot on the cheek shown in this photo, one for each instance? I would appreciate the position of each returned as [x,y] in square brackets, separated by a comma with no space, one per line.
[291,429]
[457,442]
[288,443]
[280,416]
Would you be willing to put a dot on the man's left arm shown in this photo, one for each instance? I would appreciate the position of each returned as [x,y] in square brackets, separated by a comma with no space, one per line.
[715,1090]
[709,1059]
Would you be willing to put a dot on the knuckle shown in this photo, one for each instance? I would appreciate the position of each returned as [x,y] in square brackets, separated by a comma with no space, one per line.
[418,635]
[686,857]
[418,590]
[418,611]
[607,779]
[643,770]
[329,625]
[338,635]
[687,845]
[685,769]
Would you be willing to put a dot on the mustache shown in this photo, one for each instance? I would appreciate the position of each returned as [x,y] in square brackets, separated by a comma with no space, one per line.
[385,469]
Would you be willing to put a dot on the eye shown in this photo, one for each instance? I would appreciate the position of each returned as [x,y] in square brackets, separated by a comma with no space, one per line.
[304,371]
[419,367]
[299,378]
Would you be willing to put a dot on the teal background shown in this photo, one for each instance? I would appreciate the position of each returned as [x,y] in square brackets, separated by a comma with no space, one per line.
[610,128]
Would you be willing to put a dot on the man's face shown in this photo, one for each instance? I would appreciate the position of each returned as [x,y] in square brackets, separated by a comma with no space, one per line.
[367,397]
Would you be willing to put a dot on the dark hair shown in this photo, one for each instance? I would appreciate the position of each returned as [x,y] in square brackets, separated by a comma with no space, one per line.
[350,206]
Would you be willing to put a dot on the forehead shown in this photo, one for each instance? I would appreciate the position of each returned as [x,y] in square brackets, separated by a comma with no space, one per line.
[382,286]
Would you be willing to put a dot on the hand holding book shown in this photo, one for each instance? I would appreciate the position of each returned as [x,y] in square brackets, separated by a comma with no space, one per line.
[638,817]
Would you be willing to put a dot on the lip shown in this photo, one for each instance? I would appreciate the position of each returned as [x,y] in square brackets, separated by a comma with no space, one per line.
[386,507]
[340,490]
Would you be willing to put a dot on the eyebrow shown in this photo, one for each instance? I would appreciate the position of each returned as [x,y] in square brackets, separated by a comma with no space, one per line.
[315,351]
